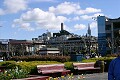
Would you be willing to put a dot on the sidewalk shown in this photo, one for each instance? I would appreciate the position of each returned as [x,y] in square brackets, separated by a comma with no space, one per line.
[96,76]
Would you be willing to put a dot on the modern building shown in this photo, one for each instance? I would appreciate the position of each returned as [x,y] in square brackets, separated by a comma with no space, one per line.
[108,35]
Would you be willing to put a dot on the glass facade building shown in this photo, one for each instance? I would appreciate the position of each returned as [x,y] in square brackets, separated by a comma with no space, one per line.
[108,35]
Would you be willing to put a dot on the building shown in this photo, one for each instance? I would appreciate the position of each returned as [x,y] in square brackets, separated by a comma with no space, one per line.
[49,51]
[20,47]
[108,35]
[4,48]
[62,32]
[69,43]
[13,47]
[66,42]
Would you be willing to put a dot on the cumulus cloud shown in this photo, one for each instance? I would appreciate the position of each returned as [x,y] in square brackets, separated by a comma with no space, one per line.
[26,26]
[89,10]
[42,0]
[80,26]
[87,17]
[22,25]
[41,19]
[38,19]
[65,8]
[93,25]
[1,11]
[72,8]
[76,18]
[13,6]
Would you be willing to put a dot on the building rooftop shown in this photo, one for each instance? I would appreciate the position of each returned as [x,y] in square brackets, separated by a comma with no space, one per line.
[49,49]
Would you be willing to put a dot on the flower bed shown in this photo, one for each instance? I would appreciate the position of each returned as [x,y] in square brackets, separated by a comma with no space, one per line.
[13,74]
[68,77]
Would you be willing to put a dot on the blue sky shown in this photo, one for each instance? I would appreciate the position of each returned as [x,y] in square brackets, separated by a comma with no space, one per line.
[27,19]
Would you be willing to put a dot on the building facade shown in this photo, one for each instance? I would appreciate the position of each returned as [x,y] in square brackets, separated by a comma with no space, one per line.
[108,35]
[12,47]
[66,42]
[49,51]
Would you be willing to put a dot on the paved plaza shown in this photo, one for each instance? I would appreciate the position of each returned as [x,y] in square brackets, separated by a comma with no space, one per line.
[96,76]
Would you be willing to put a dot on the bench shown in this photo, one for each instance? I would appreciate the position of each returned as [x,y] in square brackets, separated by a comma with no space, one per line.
[86,67]
[35,78]
[52,70]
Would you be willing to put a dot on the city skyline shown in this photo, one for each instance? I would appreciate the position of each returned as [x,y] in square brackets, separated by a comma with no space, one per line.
[26,19]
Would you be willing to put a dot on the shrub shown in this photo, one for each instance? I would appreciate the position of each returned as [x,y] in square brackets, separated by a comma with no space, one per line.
[101,65]
[9,64]
[96,59]
[69,65]
[13,74]
[106,60]
[30,67]
[41,58]
[112,55]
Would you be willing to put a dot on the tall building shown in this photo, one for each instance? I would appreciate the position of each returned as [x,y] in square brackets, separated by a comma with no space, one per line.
[62,32]
[89,41]
[89,30]
[108,35]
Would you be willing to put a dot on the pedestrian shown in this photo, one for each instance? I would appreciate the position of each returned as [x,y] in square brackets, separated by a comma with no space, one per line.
[114,69]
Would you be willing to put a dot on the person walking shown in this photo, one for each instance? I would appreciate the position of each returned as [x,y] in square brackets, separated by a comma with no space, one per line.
[114,69]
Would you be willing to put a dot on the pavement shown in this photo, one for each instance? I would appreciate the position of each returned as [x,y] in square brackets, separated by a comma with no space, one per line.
[96,76]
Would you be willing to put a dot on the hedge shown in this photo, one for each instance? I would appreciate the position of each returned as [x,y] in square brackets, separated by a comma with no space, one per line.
[41,58]
[106,60]
[30,67]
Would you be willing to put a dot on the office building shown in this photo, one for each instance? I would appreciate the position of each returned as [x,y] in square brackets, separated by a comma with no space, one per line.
[108,35]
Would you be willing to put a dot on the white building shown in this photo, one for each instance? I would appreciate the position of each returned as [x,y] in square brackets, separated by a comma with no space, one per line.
[49,51]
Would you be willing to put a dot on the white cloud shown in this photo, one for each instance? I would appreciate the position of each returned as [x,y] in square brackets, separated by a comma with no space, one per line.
[76,18]
[72,8]
[87,17]
[13,6]
[93,25]
[65,8]
[1,12]
[79,26]
[42,0]
[89,10]
[26,26]
[41,19]
[22,25]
